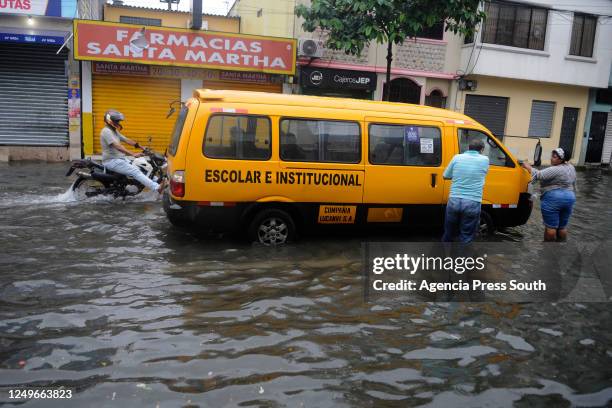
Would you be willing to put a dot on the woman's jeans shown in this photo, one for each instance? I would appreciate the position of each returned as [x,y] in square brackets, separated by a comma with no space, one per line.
[557,206]
[462,220]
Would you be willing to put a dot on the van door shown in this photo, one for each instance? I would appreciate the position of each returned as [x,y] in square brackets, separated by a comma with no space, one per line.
[503,182]
[321,162]
[329,149]
[404,171]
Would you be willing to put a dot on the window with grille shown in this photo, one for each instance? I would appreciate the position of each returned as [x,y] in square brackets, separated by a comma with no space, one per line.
[140,20]
[515,25]
[583,35]
[435,32]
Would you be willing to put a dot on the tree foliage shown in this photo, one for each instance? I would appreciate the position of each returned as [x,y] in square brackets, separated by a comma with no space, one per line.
[350,25]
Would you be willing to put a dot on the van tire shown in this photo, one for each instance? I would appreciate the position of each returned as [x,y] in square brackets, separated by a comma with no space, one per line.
[487,224]
[272,227]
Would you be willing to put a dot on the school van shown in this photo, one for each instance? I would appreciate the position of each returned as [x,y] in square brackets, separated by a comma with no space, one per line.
[273,165]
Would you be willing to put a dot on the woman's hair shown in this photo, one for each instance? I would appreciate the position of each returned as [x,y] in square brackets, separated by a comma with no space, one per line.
[564,155]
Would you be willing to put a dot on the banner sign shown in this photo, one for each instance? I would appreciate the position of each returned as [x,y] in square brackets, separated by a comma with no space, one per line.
[32,7]
[337,79]
[31,38]
[163,71]
[116,42]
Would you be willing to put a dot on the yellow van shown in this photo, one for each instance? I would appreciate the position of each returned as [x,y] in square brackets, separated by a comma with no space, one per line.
[274,165]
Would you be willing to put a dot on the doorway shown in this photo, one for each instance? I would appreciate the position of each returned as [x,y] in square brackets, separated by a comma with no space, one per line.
[597,133]
[568,129]
[403,90]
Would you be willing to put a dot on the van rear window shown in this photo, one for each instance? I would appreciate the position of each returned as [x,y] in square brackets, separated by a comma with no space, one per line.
[405,145]
[240,137]
[178,130]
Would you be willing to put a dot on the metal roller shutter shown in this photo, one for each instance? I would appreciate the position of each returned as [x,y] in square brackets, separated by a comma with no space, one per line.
[143,101]
[540,123]
[241,86]
[606,156]
[488,110]
[33,95]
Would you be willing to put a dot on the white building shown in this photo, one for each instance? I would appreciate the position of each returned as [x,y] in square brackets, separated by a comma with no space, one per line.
[532,65]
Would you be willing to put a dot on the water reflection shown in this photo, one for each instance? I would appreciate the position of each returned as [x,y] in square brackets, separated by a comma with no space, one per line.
[108,299]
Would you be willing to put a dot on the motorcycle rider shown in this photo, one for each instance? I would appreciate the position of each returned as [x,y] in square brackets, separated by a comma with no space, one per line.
[113,153]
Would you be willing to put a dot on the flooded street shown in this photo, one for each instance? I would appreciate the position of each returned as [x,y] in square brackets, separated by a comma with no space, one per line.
[106,298]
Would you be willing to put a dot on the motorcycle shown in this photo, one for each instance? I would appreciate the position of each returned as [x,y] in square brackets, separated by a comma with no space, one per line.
[95,180]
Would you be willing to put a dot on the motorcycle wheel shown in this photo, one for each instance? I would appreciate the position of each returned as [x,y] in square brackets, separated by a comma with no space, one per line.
[85,188]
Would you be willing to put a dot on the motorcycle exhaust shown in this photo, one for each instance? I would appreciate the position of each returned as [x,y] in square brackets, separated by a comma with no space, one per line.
[83,174]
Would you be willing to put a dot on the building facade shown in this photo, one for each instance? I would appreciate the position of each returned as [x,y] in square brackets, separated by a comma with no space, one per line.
[422,69]
[529,71]
[527,74]
[39,82]
[141,60]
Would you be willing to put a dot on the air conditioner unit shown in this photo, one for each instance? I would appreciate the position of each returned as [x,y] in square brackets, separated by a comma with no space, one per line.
[307,47]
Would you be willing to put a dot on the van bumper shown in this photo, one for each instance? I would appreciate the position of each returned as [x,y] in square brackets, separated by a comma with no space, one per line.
[206,217]
[512,217]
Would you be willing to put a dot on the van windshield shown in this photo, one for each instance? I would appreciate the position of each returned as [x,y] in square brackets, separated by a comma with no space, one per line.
[178,130]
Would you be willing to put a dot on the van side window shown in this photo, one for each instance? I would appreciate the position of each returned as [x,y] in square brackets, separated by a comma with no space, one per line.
[243,137]
[405,145]
[314,140]
[497,157]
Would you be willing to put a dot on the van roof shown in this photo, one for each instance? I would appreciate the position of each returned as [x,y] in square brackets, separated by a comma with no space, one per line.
[326,102]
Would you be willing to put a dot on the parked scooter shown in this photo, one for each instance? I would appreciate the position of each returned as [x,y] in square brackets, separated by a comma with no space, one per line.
[95,180]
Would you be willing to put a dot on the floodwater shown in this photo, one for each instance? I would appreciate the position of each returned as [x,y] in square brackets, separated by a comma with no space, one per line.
[108,300]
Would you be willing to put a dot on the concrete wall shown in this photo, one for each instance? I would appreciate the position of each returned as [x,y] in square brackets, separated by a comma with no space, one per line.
[265,17]
[173,18]
[521,94]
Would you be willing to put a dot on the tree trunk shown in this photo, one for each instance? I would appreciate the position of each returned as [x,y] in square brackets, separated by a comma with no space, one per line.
[387,88]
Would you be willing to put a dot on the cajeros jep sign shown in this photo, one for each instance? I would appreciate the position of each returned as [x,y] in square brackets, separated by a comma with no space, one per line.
[337,79]
[104,41]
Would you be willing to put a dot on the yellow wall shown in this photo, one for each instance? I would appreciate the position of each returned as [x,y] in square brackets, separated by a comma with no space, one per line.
[171,18]
[522,94]
[276,19]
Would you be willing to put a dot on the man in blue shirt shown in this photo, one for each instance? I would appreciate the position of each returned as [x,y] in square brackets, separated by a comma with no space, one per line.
[467,171]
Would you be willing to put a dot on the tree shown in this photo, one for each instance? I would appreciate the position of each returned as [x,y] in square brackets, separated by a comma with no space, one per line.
[352,24]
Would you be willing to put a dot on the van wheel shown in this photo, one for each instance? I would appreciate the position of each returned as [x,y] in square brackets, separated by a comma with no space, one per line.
[272,227]
[487,225]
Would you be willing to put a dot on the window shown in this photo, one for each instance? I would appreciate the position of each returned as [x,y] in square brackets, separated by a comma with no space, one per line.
[497,157]
[515,25]
[243,137]
[604,96]
[178,129]
[405,145]
[435,32]
[435,99]
[583,35]
[140,20]
[309,140]
[540,123]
